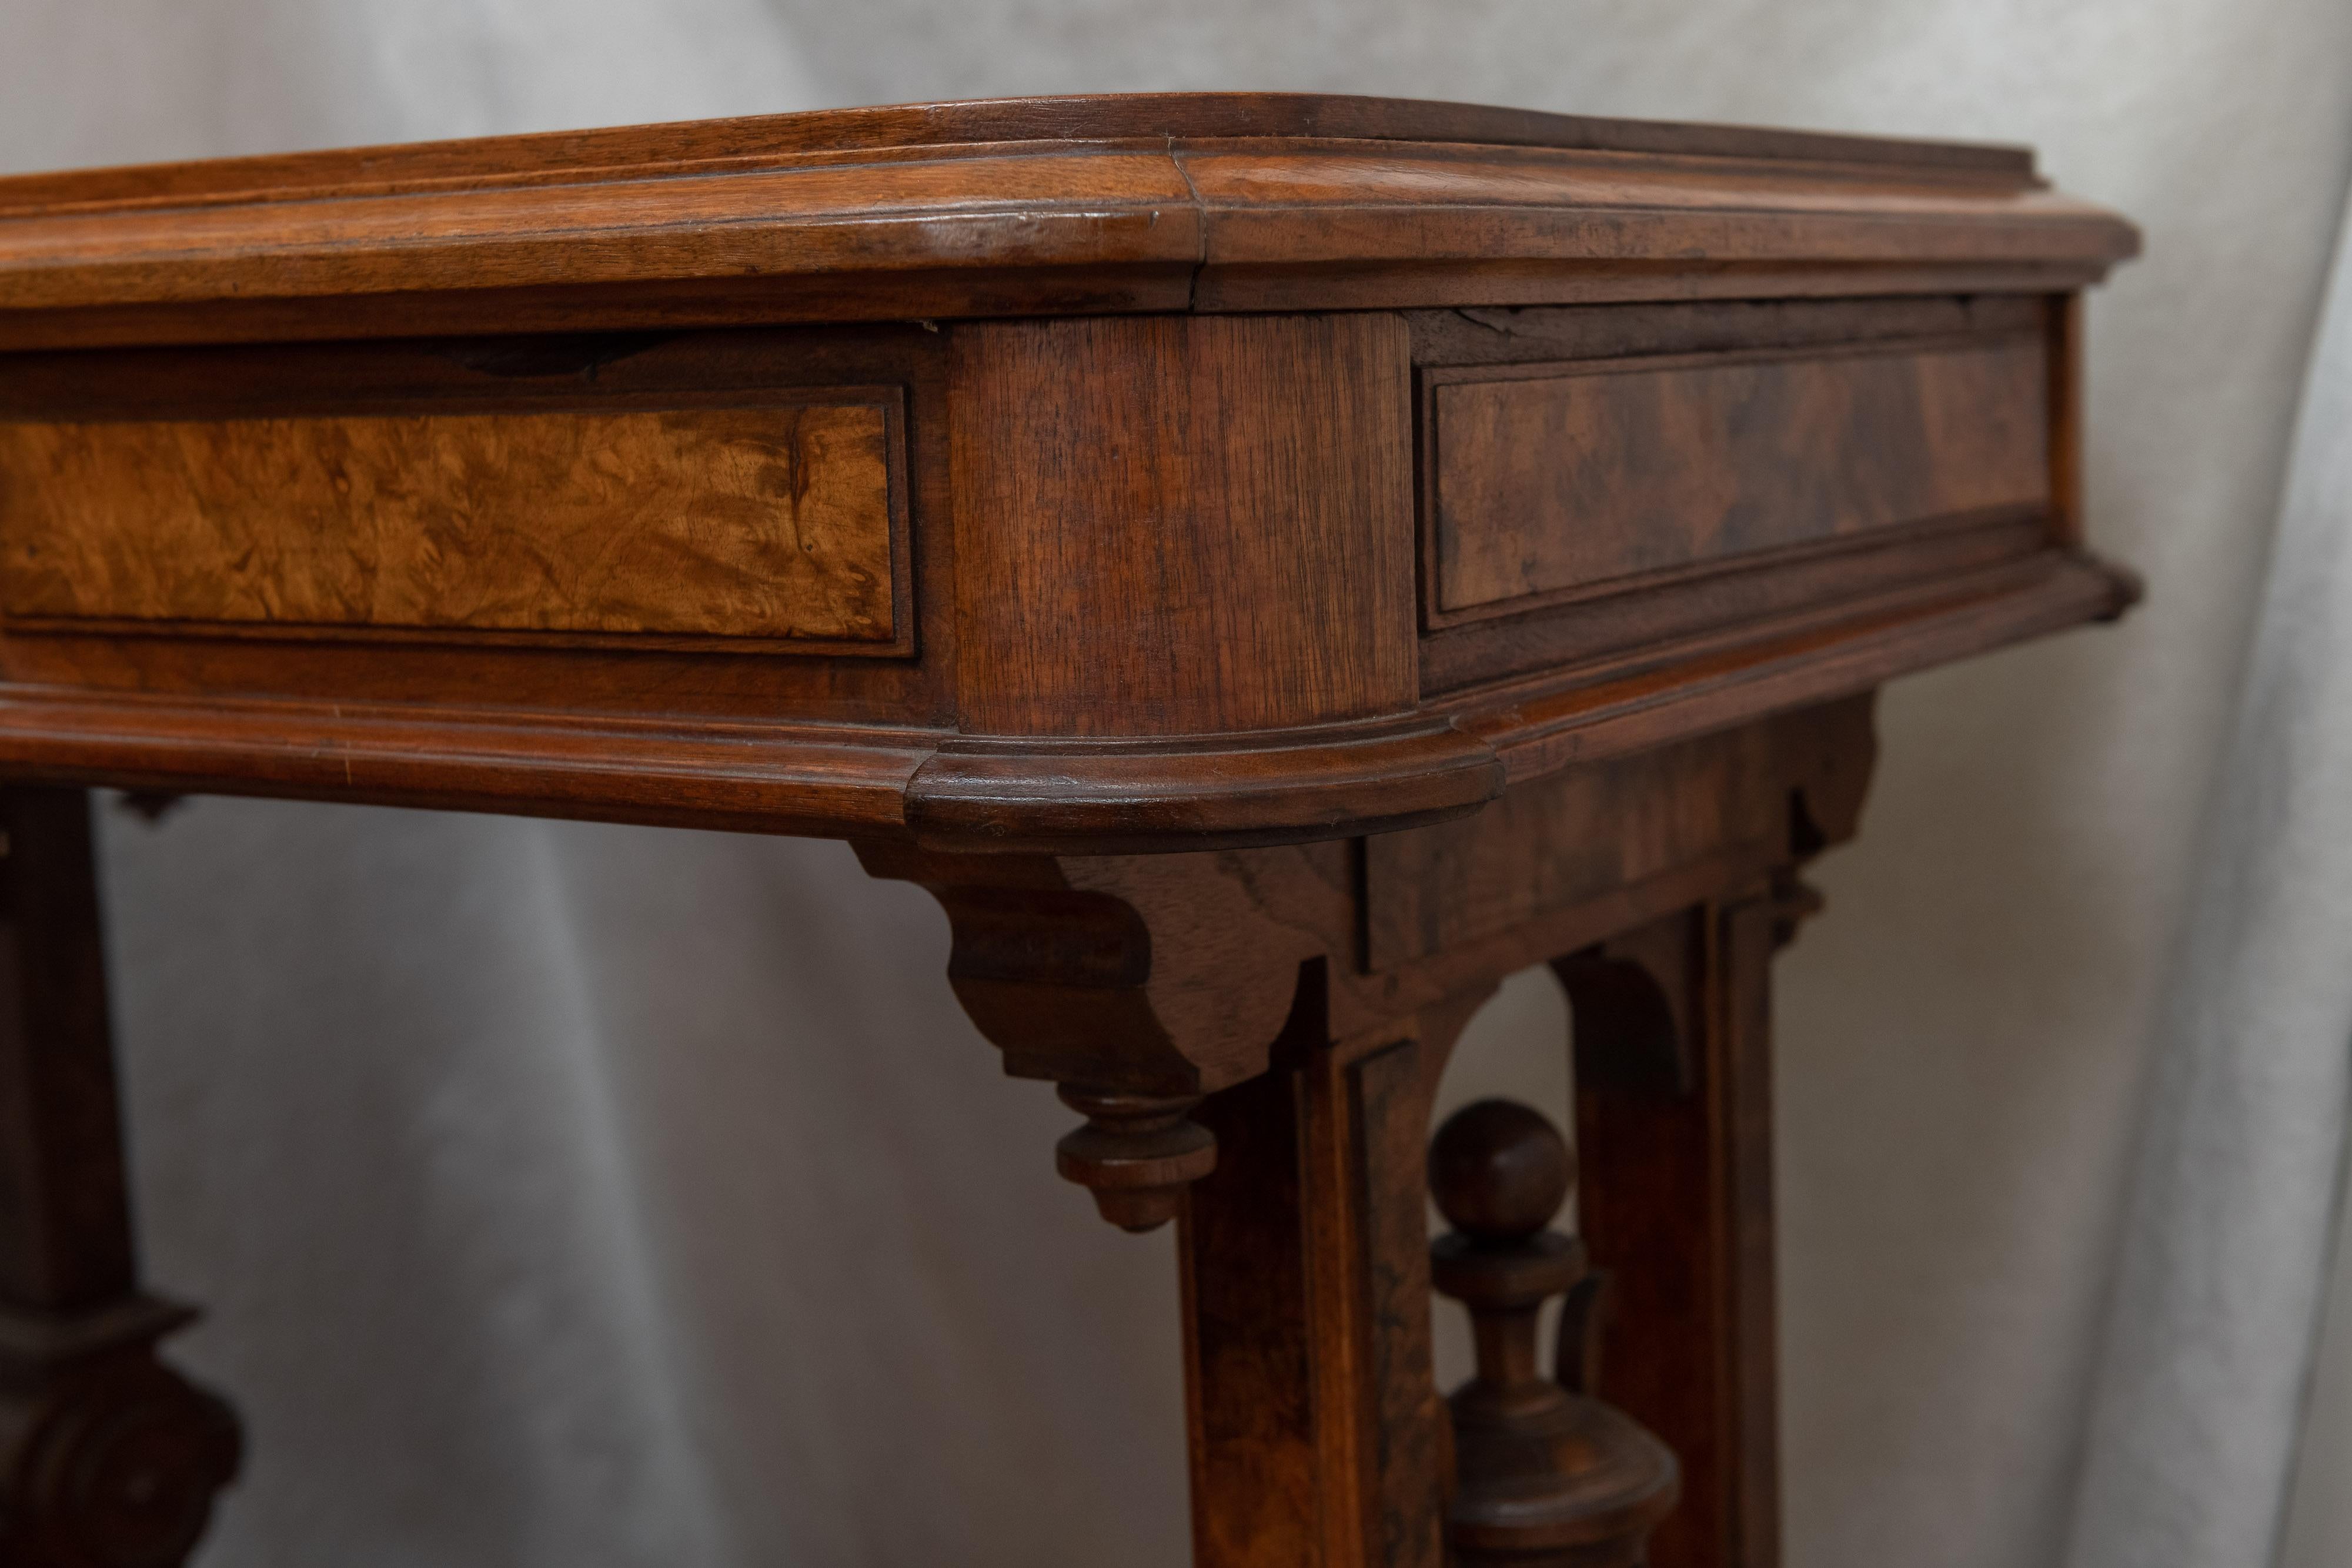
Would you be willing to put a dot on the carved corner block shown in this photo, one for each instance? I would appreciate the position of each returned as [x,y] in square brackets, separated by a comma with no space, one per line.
[1138,984]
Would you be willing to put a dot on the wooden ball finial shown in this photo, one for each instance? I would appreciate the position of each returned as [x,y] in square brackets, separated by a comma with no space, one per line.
[1545,1476]
[1499,1171]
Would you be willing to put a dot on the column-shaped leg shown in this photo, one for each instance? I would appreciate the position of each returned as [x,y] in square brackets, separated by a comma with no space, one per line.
[1149,987]
[1184,1003]
[1319,1439]
[108,1458]
[1674,1135]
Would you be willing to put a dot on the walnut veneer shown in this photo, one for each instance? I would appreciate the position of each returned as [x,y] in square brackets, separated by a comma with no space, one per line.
[1270,566]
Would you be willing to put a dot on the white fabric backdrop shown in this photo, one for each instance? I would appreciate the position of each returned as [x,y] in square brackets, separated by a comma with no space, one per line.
[580,1196]
[2225,1251]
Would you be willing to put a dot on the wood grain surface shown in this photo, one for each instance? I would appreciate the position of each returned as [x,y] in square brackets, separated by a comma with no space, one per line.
[1176,201]
[743,522]
[1152,576]
[751,140]
[1220,506]
[1549,479]
[1675,1138]
[1456,883]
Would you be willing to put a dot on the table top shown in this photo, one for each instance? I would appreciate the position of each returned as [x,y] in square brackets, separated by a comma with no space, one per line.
[1093,472]
[1184,200]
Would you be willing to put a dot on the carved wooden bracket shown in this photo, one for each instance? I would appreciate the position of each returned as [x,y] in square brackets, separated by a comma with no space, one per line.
[1142,983]
[1139,984]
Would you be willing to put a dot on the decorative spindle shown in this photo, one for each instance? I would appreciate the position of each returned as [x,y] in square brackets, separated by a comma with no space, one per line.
[109,1459]
[1135,1154]
[1546,1478]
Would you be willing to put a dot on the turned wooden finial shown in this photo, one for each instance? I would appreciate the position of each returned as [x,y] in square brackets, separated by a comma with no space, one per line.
[1546,1478]
[1135,1154]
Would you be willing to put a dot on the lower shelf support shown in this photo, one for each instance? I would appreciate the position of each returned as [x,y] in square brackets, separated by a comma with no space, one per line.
[1544,1476]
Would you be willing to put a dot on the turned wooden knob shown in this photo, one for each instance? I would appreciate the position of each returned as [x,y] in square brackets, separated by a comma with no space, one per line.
[1499,1171]
[1137,1153]
[1545,1477]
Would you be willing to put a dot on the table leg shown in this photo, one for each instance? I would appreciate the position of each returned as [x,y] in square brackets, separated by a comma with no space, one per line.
[1318,1436]
[1675,1138]
[108,1458]
[1148,987]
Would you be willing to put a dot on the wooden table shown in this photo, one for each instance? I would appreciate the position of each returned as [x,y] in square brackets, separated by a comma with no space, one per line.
[1270,566]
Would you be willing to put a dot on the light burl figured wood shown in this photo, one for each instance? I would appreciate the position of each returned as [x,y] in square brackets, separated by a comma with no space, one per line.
[1555,477]
[765,522]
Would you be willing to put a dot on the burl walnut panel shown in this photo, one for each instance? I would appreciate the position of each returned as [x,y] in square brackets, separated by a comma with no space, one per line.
[1549,479]
[764,522]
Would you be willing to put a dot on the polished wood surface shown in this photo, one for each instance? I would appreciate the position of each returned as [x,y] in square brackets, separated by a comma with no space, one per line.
[1239,979]
[1721,797]
[1549,479]
[771,523]
[1847,296]
[1674,1121]
[1258,469]
[1319,1430]
[1269,565]
[1549,1476]
[1173,202]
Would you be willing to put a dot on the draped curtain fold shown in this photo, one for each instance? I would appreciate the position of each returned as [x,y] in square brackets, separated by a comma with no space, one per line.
[2219,1294]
